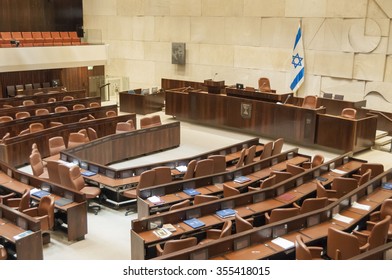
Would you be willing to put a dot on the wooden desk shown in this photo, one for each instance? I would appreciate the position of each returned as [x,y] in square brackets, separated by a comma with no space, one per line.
[141,104]
[258,95]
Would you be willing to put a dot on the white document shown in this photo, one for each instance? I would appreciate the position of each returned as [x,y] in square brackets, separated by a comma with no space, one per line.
[360,206]
[343,219]
[284,243]
[338,171]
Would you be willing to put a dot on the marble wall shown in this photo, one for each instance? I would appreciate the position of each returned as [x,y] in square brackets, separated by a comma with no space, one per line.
[348,44]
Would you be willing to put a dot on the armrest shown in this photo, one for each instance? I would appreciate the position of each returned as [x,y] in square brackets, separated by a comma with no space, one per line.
[159,250]
[307,165]
[6,197]
[331,193]
[362,237]
[364,248]
[267,217]
[213,233]
[13,202]
[375,216]
[370,225]
[32,212]
[315,251]
[296,205]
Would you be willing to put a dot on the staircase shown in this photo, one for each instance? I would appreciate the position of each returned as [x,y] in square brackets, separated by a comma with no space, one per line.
[383,141]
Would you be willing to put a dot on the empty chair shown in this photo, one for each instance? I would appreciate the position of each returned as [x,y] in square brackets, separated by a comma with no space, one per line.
[175,245]
[182,204]
[79,184]
[316,161]
[22,115]
[56,145]
[219,163]
[94,104]
[21,203]
[294,169]
[7,106]
[41,112]
[250,154]
[84,132]
[66,39]
[213,234]
[27,37]
[5,119]
[343,185]
[323,192]
[24,131]
[34,127]
[57,40]
[156,120]
[310,102]
[60,109]
[78,107]
[44,212]
[349,113]
[53,171]
[75,139]
[202,198]
[90,117]
[362,179]
[111,113]
[281,176]
[267,150]
[68,98]
[303,252]
[385,210]
[204,167]
[241,224]
[241,159]
[311,204]
[342,245]
[377,168]
[75,40]
[145,122]
[11,91]
[51,100]
[5,137]
[277,147]
[19,88]
[28,102]
[37,85]
[229,191]
[264,85]
[92,134]
[28,86]
[162,175]
[278,214]
[37,166]
[131,123]
[5,197]
[266,183]
[123,127]
[83,119]
[375,234]
[190,170]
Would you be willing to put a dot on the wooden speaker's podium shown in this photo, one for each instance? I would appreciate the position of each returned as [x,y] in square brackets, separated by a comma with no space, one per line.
[214,86]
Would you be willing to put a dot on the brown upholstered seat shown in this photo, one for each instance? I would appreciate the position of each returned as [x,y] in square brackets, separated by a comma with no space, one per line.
[22,115]
[37,166]
[294,169]
[229,191]
[34,127]
[343,185]
[204,167]
[78,107]
[264,85]
[53,171]
[278,214]
[68,98]
[202,198]
[303,252]
[28,102]
[111,113]
[21,203]
[266,183]
[213,234]
[190,170]
[92,133]
[267,150]
[123,127]
[60,109]
[312,204]
[41,112]
[5,119]
[5,137]
[94,104]
[342,245]
[377,168]
[310,102]
[162,175]
[219,163]
[316,161]
[182,204]
[175,245]
[3,253]
[56,145]
[278,146]
[349,113]
[385,210]
[44,212]
[281,176]
[250,154]
[75,139]
[241,224]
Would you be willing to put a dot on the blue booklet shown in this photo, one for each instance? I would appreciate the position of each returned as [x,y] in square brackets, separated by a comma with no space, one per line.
[241,179]
[88,173]
[40,193]
[191,192]
[63,201]
[194,223]
[224,213]
[387,185]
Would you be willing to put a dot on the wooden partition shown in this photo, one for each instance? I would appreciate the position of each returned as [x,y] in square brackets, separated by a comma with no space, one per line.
[141,103]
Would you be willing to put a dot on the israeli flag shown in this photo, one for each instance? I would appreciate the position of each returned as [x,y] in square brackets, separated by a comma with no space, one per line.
[298,63]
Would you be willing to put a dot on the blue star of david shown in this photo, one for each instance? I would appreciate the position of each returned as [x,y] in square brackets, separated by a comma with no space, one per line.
[297,60]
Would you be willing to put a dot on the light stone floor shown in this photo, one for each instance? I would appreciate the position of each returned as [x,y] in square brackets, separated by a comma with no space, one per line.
[108,235]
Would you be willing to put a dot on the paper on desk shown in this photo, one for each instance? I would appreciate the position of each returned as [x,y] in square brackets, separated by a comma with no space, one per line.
[284,243]
[343,219]
[360,206]
[339,171]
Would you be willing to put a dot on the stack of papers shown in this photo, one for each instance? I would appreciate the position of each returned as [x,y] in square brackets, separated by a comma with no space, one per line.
[360,206]
[169,227]
[194,223]
[39,193]
[284,243]
[343,219]
[338,171]
[162,232]
[226,213]
[155,199]
[181,168]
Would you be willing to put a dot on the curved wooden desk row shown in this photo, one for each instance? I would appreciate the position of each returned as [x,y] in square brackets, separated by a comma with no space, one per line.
[13,226]
[213,185]
[258,243]
[16,150]
[73,215]
[16,126]
[250,204]
[50,106]
[381,250]
[42,98]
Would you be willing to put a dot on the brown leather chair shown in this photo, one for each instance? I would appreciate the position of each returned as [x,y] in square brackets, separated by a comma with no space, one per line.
[3,253]
[316,161]
[303,252]
[204,167]
[385,210]
[84,119]
[79,184]
[5,137]
[240,161]
[267,150]
[52,100]
[175,245]
[311,204]
[94,104]
[41,112]
[111,113]
[294,169]
[266,183]
[229,191]
[278,214]
[156,120]
[53,171]
[7,106]
[277,147]
[5,119]
[34,127]
[123,127]
[78,107]
[162,175]
[219,163]
[68,98]
[342,245]
[375,234]
[377,169]
[321,191]
[343,185]
[60,109]
[241,224]
[21,203]
[182,204]
[202,198]
[28,102]
[365,177]
[264,85]
[92,133]
[37,166]
[132,124]
[65,179]
[145,122]
[349,113]
[281,176]
[190,170]
[84,132]
[56,145]
[75,139]
[44,212]
[22,115]
[310,102]
[214,234]
[250,154]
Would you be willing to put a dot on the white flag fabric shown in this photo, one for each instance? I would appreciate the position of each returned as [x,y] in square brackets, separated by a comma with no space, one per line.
[298,63]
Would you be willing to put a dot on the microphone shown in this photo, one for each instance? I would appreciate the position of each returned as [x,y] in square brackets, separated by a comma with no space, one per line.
[287,99]
[214,76]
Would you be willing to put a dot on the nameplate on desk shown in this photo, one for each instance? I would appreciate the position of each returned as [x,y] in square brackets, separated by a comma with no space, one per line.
[194,223]
[23,234]
[162,232]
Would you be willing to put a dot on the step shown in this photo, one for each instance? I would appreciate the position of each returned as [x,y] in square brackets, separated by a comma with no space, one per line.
[380,134]
[383,141]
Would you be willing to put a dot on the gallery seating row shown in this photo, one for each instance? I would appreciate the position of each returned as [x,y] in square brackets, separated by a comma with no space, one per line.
[247,205]
[34,39]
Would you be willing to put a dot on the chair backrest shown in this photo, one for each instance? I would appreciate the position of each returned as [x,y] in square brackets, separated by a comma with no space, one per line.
[226,229]
[317,160]
[6,119]
[145,122]
[68,98]
[349,113]
[162,175]
[281,176]
[76,139]
[132,124]
[28,102]
[241,159]
[54,124]
[76,177]
[5,137]
[190,170]
[94,104]
[302,251]
[219,163]
[365,177]
[310,102]
[341,245]
[60,109]
[241,224]
[24,202]
[64,175]
[377,168]
[379,233]
[278,146]
[267,150]
[123,127]
[311,204]
[250,154]
[386,208]
[84,132]
[56,145]
[178,244]
[268,182]
[78,107]
[111,113]
[264,85]
[229,191]
[204,167]
[294,169]
[201,198]
[283,213]
[146,179]
[156,120]
[92,133]
[184,203]
[36,127]
[320,190]
[51,99]
[343,185]
[41,112]
[22,115]
[46,207]
[53,171]
[36,164]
